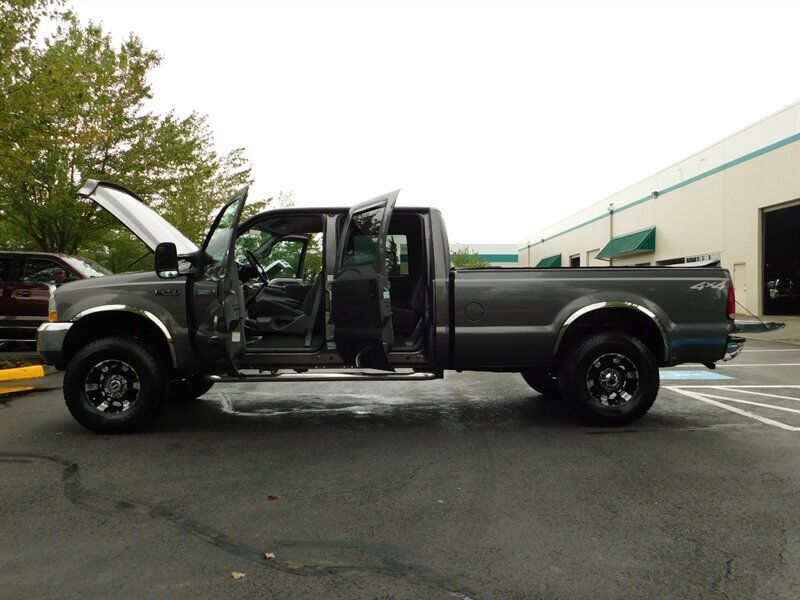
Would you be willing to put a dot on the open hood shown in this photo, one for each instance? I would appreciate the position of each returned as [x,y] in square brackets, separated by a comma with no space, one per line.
[143,221]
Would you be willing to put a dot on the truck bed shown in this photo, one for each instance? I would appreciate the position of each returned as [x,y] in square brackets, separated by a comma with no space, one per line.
[512,318]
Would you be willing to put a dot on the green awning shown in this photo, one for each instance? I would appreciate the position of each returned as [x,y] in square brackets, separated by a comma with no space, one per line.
[637,242]
[550,262]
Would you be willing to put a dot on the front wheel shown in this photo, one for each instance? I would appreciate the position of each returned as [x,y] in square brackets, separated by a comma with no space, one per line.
[609,379]
[114,385]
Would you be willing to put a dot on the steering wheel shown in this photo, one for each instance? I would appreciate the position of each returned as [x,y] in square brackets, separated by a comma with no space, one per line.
[259,268]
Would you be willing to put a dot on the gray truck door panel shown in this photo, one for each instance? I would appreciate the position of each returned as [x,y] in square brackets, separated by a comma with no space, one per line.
[360,299]
[217,295]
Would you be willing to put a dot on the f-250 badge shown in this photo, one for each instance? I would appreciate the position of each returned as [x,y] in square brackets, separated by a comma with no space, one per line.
[168,291]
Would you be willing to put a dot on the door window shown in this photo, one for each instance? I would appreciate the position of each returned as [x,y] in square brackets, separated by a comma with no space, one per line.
[290,251]
[361,249]
[396,255]
[218,242]
[6,266]
[41,270]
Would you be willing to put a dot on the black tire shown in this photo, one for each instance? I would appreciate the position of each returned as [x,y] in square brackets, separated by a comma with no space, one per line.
[188,389]
[543,382]
[114,385]
[609,379]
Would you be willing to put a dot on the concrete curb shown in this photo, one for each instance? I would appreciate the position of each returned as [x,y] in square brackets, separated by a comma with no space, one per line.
[29,372]
[21,373]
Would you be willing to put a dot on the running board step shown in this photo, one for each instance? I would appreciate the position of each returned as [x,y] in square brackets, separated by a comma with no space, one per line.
[330,375]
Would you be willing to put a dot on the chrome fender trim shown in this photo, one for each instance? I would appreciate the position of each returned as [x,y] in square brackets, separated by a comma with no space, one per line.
[617,304]
[136,310]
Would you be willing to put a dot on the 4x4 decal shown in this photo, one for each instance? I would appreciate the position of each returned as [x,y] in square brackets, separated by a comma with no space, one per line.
[704,285]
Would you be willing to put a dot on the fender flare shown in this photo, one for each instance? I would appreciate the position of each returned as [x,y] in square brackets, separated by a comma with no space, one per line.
[614,304]
[138,311]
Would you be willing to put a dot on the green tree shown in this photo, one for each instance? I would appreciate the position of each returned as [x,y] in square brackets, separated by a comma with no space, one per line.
[392,257]
[72,108]
[465,257]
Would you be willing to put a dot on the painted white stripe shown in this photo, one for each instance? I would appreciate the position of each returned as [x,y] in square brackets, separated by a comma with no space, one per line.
[733,409]
[765,365]
[751,403]
[736,387]
[730,389]
[774,350]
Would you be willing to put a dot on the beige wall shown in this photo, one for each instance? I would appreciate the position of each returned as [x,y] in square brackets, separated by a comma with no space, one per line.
[718,213]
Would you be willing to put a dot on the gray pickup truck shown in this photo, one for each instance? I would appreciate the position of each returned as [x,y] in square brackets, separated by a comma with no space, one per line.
[298,294]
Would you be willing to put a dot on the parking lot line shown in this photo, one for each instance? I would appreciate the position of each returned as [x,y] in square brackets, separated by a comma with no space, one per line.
[728,366]
[729,389]
[751,403]
[773,350]
[714,401]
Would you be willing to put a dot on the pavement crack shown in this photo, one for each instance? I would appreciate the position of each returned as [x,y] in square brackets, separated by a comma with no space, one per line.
[383,560]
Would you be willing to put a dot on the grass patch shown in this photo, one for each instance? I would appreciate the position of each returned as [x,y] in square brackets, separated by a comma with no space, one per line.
[12,362]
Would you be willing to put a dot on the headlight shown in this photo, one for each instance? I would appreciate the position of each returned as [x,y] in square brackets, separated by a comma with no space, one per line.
[52,311]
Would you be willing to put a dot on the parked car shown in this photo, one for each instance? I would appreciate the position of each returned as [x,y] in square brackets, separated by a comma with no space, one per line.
[784,287]
[25,280]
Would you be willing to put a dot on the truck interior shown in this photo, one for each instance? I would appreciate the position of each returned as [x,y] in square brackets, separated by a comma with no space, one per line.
[281,261]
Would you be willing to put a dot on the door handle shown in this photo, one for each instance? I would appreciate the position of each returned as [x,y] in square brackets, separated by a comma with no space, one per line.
[22,294]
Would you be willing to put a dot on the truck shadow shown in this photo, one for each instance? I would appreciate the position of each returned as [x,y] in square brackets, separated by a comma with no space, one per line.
[243,411]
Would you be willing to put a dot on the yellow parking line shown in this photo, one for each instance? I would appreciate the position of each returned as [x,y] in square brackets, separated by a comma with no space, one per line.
[22,373]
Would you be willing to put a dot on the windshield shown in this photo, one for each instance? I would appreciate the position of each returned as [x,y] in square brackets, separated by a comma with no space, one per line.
[88,267]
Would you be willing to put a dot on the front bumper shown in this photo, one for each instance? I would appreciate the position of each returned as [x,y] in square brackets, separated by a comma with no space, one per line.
[50,342]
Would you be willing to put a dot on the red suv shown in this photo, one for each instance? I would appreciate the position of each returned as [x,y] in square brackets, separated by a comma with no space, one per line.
[25,280]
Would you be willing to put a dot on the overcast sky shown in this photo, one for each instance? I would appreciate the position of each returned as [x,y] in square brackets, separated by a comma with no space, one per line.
[508,116]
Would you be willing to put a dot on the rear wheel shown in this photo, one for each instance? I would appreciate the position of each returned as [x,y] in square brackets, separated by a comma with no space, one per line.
[542,381]
[609,379]
[114,385]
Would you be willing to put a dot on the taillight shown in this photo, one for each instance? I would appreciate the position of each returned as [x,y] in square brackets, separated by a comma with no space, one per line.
[731,305]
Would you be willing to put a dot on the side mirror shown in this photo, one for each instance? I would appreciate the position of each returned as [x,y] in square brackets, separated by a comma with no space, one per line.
[166,260]
[59,276]
[276,267]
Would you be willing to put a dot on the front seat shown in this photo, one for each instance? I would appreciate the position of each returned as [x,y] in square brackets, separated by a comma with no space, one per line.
[299,322]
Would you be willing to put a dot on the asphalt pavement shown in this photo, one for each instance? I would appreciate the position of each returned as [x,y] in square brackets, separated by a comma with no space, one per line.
[469,487]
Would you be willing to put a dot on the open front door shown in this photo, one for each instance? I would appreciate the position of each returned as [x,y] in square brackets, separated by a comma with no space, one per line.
[217,295]
[360,301]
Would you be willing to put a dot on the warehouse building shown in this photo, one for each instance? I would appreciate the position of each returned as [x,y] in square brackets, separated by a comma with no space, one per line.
[736,203]
[497,255]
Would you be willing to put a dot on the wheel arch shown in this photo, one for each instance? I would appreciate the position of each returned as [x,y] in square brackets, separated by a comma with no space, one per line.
[625,317]
[114,320]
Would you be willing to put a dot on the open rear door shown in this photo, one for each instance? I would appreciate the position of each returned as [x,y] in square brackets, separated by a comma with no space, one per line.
[360,300]
[217,296]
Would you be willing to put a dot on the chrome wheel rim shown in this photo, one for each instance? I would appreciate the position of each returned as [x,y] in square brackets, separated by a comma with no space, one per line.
[112,386]
[612,379]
